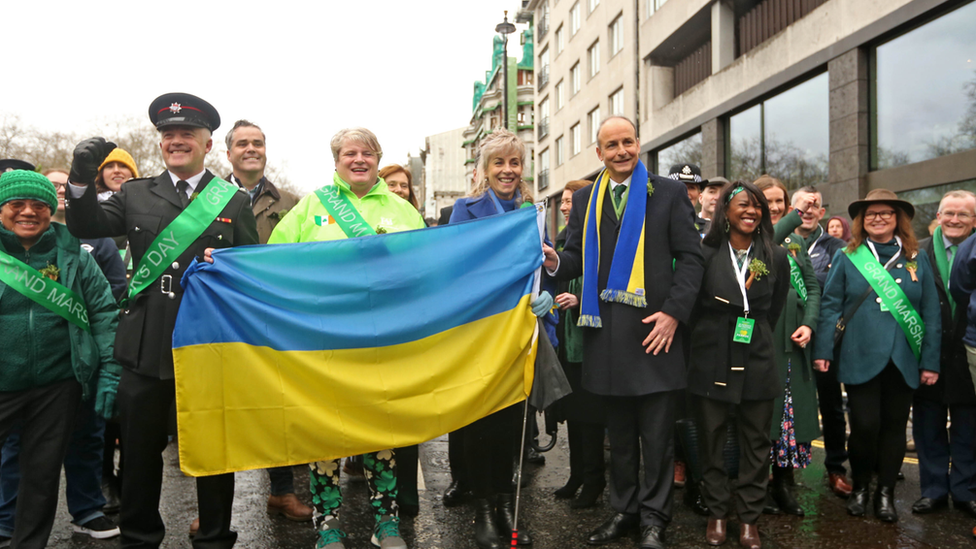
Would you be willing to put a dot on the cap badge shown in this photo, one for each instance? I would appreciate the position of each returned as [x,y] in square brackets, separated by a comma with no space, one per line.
[175,107]
[686,170]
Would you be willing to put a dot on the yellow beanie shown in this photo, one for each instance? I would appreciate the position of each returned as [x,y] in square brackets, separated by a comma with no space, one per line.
[122,157]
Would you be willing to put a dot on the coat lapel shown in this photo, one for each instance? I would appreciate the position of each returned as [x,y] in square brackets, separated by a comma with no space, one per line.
[609,215]
[164,188]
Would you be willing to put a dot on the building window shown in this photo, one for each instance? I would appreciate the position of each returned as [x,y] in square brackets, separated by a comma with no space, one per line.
[544,68]
[651,6]
[686,151]
[593,4]
[574,134]
[560,151]
[560,101]
[617,102]
[574,19]
[924,92]
[616,35]
[574,76]
[926,202]
[543,25]
[593,55]
[543,174]
[593,119]
[786,136]
[543,118]
[560,44]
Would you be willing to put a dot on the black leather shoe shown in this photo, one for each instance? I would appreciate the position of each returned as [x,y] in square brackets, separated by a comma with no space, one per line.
[588,495]
[884,504]
[769,505]
[925,506]
[568,491]
[505,520]
[455,495]
[694,499]
[652,537]
[857,502]
[968,507]
[616,527]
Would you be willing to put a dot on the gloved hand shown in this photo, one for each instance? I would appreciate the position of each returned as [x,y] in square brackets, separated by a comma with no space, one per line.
[88,155]
[105,391]
[542,304]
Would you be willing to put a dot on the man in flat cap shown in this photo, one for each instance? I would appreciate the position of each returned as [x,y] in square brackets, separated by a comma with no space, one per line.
[143,210]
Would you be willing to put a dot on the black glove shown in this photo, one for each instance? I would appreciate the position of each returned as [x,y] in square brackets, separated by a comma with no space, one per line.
[89,154]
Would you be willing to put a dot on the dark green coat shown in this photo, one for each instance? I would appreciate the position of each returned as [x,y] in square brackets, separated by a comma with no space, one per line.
[796,313]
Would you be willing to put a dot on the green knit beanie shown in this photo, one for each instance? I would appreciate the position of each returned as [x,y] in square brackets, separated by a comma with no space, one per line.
[25,185]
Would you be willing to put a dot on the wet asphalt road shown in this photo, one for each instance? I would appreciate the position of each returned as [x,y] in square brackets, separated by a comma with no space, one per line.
[552,523]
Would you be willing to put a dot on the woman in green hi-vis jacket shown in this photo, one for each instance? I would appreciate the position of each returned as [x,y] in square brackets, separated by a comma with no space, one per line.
[795,419]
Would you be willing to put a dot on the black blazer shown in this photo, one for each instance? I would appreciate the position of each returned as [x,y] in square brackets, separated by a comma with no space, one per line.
[141,210]
[955,382]
[614,359]
[748,371]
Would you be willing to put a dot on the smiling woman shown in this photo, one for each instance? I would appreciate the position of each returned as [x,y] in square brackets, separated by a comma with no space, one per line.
[117,168]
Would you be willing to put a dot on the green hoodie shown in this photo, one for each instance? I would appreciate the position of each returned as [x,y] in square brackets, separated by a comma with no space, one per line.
[41,347]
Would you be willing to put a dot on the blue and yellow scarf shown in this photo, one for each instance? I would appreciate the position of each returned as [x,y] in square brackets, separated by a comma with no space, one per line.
[626,282]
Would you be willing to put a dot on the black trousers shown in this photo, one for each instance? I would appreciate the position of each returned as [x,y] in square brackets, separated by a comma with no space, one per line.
[47,415]
[585,452]
[642,428]
[879,417]
[407,459]
[832,417]
[144,405]
[752,420]
[455,455]
[490,448]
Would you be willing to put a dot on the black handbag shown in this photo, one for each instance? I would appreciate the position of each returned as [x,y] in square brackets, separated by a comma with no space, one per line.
[846,317]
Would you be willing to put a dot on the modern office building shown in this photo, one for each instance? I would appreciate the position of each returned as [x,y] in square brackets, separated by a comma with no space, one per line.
[850,95]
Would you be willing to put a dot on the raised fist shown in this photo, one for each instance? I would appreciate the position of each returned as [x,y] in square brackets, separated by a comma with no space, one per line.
[88,155]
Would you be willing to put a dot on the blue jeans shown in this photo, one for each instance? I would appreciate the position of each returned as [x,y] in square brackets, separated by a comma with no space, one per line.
[82,471]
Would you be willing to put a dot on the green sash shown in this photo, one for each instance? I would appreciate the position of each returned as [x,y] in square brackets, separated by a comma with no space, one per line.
[343,212]
[53,296]
[892,296]
[942,263]
[183,231]
[796,277]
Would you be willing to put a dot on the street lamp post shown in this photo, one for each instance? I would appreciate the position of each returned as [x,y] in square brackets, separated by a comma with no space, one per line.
[505,28]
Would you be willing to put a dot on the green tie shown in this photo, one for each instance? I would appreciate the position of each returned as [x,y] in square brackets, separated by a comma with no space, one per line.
[952,255]
[618,195]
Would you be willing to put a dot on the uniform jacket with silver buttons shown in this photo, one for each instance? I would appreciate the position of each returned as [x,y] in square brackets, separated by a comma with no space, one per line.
[141,210]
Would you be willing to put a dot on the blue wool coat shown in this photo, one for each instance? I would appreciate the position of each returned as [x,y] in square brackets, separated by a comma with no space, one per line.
[873,338]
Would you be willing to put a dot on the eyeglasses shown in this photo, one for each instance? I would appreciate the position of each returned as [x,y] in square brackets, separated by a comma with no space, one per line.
[961,216]
[885,215]
[35,205]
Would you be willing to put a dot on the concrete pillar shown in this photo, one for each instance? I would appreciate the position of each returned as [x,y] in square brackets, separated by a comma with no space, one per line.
[723,35]
[849,130]
[713,148]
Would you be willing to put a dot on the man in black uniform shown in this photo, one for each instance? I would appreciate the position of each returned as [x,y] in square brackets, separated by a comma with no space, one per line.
[143,210]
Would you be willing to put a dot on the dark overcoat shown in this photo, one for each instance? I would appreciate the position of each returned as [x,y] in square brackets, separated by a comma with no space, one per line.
[614,359]
[721,369]
[955,382]
[141,210]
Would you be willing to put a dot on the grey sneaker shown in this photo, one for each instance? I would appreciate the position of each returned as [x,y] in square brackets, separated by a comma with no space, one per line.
[98,528]
[330,535]
[386,534]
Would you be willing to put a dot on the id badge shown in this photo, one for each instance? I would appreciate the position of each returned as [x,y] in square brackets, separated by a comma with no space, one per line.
[743,330]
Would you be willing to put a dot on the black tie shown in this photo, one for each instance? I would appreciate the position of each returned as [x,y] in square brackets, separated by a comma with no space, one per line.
[181,187]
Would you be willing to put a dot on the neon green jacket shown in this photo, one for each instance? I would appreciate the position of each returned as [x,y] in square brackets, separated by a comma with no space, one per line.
[309,221]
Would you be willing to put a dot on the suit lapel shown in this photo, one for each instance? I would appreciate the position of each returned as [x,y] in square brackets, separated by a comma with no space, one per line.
[609,214]
[164,188]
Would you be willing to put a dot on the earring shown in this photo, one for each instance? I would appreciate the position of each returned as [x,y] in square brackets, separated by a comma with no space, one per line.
[727,227]
[759,229]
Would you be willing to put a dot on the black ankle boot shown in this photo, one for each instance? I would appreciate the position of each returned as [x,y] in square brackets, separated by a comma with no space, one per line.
[770,507]
[857,502]
[694,499]
[486,535]
[505,520]
[569,490]
[589,494]
[782,491]
[884,504]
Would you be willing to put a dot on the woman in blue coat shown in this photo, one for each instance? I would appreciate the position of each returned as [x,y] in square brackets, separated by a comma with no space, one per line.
[889,347]
[490,444]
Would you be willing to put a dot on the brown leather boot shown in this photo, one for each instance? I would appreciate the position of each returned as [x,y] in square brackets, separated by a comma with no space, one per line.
[715,533]
[749,536]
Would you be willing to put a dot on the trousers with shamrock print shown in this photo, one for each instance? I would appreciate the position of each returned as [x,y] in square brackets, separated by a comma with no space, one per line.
[380,471]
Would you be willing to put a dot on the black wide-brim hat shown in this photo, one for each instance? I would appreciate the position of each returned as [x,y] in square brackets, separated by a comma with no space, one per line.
[883,196]
[8,164]
[183,109]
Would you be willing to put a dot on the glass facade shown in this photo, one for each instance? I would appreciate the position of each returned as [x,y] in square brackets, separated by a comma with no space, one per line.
[926,202]
[786,136]
[924,91]
[686,151]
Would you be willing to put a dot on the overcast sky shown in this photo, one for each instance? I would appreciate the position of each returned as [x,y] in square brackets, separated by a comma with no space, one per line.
[300,70]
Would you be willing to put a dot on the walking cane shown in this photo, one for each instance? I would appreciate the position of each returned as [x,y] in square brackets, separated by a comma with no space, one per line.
[518,475]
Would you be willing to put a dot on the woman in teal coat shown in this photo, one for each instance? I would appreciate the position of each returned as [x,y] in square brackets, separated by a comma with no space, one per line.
[795,420]
[889,347]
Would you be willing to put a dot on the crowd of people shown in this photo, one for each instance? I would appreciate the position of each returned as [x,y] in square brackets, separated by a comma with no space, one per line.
[708,328]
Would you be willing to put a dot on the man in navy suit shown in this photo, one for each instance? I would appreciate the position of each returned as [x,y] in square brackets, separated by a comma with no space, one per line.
[635,360]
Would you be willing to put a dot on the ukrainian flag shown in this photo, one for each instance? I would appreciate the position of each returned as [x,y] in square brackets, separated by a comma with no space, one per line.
[295,353]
